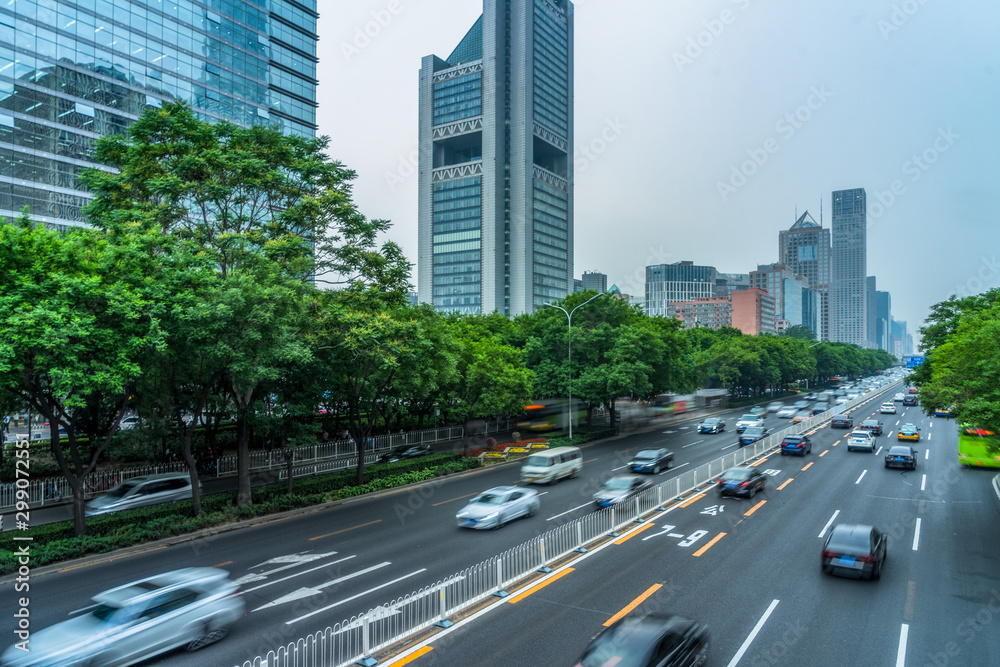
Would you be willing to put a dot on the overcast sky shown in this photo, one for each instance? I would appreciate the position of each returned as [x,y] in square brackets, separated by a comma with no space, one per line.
[900,97]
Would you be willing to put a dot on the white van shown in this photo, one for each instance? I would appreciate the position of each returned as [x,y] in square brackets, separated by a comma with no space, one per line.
[551,465]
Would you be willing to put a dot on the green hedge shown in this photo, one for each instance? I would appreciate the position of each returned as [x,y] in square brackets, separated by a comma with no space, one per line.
[56,542]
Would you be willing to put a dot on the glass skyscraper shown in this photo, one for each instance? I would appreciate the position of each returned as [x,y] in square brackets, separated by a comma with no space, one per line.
[71,71]
[805,249]
[495,203]
[849,289]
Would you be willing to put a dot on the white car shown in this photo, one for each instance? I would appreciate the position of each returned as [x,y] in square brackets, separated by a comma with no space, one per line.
[861,440]
[787,412]
[898,398]
[888,409]
[131,422]
[494,508]
[774,407]
[852,396]
[746,421]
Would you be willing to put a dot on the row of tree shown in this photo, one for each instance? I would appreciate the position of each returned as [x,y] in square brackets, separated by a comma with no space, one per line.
[191,297]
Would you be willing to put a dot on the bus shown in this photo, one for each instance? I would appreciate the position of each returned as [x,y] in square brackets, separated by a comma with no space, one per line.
[978,447]
[552,415]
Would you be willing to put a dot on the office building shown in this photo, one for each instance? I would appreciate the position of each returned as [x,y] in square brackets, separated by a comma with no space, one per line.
[672,283]
[883,315]
[753,311]
[71,72]
[898,338]
[712,312]
[805,249]
[495,184]
[848,291]
[726,283]
[870,317]
[592,280]
[790,293]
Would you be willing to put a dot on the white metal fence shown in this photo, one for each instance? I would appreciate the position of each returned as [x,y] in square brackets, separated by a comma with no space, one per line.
[358,638]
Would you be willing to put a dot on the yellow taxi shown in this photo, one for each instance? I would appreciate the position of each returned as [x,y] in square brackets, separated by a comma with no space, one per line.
[908,432]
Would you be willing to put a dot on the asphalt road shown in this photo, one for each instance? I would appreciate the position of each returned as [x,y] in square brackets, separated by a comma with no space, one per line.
[303,573]
[753,573]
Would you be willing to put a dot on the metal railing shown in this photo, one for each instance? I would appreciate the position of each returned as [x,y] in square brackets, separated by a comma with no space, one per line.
[358,638]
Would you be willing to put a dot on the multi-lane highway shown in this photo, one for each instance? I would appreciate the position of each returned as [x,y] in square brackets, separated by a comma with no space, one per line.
[307,571]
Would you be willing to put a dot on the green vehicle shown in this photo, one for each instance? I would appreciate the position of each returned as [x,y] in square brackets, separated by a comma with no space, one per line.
[978,447]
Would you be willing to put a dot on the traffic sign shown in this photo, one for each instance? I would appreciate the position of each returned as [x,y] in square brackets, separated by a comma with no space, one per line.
[913,362]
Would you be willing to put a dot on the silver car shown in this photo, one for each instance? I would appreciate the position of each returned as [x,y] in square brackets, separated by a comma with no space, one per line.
[860,440]
[142,491]
[193,607]
[494,508]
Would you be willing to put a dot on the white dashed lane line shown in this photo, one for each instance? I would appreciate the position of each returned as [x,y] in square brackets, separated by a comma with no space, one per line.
[863,473]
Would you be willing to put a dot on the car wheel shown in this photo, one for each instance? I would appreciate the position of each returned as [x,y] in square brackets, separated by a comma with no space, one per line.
[877,572]
[670,464]
[656,469]
[827,569]
[702,656]
[751,493]
[207,636]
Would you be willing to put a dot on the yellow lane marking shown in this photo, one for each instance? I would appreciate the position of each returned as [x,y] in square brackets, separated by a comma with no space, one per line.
[413,656]
[836,443]
[338,532]
[228,562]
[754,465]
[809,465]
[693,499]
[625,538]
[754,508]
[709,545]
[632,605]
[786,483]
[109,560]
[824,452]
[453,500]
[590,460]
[539,586]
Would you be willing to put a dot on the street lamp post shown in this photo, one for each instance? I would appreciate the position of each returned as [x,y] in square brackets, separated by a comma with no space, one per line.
[569,353]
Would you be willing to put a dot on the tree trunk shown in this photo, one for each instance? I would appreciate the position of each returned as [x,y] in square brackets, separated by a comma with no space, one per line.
[289,463]
[192,466]
[243,495]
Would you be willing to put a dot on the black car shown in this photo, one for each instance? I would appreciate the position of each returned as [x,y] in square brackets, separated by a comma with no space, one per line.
[653,640]
[741,481]
[909,400]
[873,426]
[405,452]
[796,444]
[819,407]
[712,425]
[901,456]
[842,421]
[854,550]
[652,460]
[752,434]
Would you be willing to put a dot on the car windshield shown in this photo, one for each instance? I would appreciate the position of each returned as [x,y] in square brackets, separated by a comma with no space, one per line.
[618,483]
[120,490]
[104,612]
[489,499]
[860,434]
[539,461]
[869,422]
[899,451]
[606,652]
[647,455]
[748,418]
[753,430]
[736,474]
[793,439]
[908,428]
[711,421]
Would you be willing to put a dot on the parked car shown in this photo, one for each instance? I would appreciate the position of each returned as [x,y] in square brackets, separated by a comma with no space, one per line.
[909,400]
[711,425]
[741,481]
[887,409]
[908,432]
[652,460]
[873,426]
[775,406]
[901,456]
[787,412]
[652,640]
[753,434]
[842,421]
[748,420]
[854,550]
[620,488]
[405,452]
[141,491]
[796,444]
[193,608]
[860,440]
[494,508]
[129,423]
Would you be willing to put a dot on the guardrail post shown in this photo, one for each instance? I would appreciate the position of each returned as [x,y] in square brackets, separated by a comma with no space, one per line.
[545,561]
[367,660]
[444,622]
[579,537]
[659,498]
[613,533]
[500,592]
[638,511]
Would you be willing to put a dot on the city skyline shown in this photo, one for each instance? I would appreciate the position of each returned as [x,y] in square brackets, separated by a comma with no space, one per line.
[901,110]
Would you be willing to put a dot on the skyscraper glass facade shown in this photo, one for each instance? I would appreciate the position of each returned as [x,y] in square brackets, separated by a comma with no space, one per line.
[848,292]
[71,71]
[671,283]
[806,249]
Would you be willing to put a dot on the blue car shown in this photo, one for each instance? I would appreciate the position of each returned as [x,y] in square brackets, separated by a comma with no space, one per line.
[752,435]
[796,444]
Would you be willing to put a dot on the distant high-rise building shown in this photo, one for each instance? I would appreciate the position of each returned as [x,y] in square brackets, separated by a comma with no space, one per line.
[871,316]
[805,249]
[788,291]
[848,292]
[577,286]
[883,315]
[681,281]
[495,188]
[753,311]
[595,281]
[72,71]
[712,312]
[897,338]
[726,283]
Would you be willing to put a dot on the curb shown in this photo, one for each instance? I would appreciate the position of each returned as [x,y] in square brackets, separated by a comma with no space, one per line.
[996,486]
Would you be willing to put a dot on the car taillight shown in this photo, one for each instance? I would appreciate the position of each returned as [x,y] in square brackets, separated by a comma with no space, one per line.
[829,554]
[720,482]
[744,484]
[866,559]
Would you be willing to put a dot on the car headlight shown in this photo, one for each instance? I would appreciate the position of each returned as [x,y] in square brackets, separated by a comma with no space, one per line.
[491,516]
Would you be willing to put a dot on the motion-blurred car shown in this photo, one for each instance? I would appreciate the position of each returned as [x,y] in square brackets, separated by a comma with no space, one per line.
[193,608]
[796,444]
[842,421]
[787,412]
[494,508]
[405,452]
[887,409]
[652,640]
[873,426]
[819,407]
[854,550]
[711,425]
[752,435]
[898,398]
[741,481]
[801,416]
[620,488]
[860,440]
[801,405]
[141,491]
[909,400]
[652,460]
[908,432]
[775,406]
[747,421]
[129,423]
[901,456]
[944,412]
[758,410]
